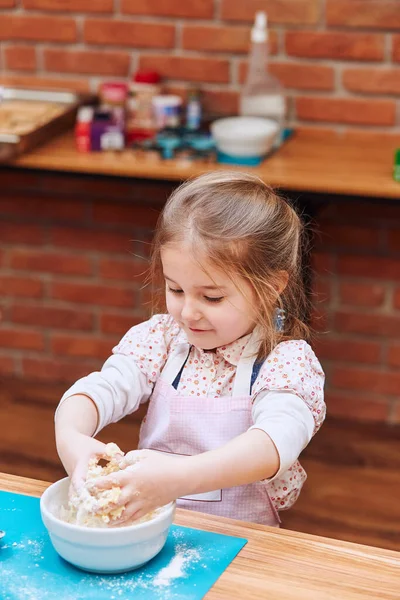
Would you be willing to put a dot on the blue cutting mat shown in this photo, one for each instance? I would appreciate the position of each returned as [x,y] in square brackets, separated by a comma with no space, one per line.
[30,569]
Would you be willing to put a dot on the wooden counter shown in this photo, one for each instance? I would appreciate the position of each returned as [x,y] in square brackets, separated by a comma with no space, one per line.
[283,565]
[329,165]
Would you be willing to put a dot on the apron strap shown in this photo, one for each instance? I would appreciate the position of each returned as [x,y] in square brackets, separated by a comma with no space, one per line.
[175,363]
[177,379]
[256,370]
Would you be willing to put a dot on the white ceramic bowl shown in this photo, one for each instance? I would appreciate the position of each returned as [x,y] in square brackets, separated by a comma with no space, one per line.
[103,550]
[244,136]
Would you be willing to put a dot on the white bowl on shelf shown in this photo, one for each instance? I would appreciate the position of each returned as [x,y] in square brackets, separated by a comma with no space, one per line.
[103,550]
[244,136]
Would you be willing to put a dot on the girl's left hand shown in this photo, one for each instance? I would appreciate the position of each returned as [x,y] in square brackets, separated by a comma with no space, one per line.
[148,483]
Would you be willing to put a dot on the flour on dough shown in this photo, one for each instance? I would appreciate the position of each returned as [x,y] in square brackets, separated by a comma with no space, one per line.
[91,508]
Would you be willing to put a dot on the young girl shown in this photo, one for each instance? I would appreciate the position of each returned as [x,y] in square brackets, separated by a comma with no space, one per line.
[235,392]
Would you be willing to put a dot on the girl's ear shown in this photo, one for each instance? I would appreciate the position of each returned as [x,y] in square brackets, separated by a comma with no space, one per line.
[281,281]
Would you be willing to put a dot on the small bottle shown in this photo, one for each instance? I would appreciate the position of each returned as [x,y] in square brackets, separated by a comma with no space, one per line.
[262,95]
[83,124]
[140,121]
[193,110]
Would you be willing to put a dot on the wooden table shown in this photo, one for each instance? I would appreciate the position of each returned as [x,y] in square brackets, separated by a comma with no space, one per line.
[283,565]
[328,164]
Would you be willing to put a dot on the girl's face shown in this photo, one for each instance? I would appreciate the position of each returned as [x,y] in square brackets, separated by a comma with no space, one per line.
[206,303]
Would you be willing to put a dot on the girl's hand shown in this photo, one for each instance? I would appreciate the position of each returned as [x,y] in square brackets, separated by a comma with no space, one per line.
[148,483]
[75,450]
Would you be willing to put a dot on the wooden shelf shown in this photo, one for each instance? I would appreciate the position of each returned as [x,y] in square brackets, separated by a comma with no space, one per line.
[331,165]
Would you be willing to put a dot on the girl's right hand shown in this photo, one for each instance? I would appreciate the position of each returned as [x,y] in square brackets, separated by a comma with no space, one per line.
[75,450]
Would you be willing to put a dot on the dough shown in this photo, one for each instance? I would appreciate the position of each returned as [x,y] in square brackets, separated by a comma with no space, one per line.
[90,508]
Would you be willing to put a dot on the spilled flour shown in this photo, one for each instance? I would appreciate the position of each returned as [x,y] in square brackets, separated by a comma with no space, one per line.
[184,558]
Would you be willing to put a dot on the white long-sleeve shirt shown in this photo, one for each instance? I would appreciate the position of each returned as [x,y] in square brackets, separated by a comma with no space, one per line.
[287,394]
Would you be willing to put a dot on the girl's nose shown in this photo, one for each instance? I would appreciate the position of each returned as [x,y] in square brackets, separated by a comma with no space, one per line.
[189,311]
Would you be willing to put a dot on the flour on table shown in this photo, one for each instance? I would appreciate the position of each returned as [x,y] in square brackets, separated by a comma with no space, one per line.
[177,567]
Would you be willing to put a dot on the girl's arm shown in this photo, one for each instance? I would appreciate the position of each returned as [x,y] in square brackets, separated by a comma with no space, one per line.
[75,422]
[250,457]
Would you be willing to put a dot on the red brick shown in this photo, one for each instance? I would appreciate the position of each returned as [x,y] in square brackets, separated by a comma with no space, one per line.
[321,290]
[98,295]
[349,406]
[88,6]
[362,294]
[347,350]
[319,320]
[396,413]
[221,38]
[38,207]
[129,269]
[346,110]
[366,379]
[394,241]
[374,267]
[118,324]
[367,324]
[393,358]
[396,48]
[298,75]
[349,236]
[377,14]
[396,298]
[322,263]
[21,339]
[128,33]
[372,81]
[87,61]
[220,102]
[48,83]
[20,58]
[14,233]
[304,76]
[7,364]
[89,239]
[58,369]
[20,287]
[335,45]
[213,70]
[2,257]
[7,3]
[125,214]
[51,316]
[190,9]
[38,28]
[292,12]
[50,262]
[85,346]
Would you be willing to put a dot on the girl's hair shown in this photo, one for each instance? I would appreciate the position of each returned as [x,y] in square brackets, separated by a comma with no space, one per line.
[249,232]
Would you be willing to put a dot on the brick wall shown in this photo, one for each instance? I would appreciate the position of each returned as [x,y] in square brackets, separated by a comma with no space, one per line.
[339,59]
[71,277]
[357,309]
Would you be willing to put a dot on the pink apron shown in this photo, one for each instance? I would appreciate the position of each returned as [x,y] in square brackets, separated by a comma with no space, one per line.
[184,425]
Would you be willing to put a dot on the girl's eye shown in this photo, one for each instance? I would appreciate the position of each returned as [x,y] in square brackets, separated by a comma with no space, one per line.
[175,291]
[214,299]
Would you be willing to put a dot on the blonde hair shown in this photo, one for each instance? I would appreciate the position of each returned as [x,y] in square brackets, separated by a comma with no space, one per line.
[245,229]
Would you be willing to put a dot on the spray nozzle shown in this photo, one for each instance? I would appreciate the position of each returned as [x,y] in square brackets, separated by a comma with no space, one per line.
[259,32]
